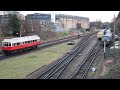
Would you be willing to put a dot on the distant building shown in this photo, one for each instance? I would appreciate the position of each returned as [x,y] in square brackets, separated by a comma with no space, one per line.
[42,18]
[70,21]
[4,19]
[67,21]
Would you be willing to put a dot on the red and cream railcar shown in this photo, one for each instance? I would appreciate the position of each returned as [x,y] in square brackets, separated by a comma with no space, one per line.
[20,43]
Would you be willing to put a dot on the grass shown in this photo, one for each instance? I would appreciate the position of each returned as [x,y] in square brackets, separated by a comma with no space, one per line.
[19,67]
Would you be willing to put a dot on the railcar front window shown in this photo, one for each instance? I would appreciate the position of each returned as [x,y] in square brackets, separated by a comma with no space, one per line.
[6,43]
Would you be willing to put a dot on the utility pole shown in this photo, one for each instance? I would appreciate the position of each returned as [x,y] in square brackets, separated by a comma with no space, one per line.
[114,32]
[104,49]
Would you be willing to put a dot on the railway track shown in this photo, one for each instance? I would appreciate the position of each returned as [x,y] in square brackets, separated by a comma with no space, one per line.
[44,45]
[54,42]
[55,71]
[84,67]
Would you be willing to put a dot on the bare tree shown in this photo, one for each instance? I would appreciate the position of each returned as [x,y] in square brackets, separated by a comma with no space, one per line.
[36,26]
[25,27]
[0,30]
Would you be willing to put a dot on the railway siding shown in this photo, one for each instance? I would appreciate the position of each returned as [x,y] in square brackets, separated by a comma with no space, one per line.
[46,71]
[77,61]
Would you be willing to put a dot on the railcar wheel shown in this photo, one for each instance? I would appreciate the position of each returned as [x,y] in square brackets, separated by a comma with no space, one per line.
[7,53]
[35,47]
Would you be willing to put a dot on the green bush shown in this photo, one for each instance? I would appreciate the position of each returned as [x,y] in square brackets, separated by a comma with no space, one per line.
[61,34]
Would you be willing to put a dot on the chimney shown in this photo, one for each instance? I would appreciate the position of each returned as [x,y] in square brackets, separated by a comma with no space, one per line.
[53,16]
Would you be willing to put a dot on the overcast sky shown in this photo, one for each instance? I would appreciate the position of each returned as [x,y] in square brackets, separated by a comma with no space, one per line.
[104,16]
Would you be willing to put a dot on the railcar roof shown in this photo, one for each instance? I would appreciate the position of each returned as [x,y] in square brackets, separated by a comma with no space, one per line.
[21,39]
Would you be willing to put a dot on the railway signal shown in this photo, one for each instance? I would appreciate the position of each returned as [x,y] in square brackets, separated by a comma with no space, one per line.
[18,33]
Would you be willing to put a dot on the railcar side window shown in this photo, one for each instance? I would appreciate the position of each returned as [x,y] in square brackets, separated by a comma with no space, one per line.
[9,44]
[28,41]
[18,43]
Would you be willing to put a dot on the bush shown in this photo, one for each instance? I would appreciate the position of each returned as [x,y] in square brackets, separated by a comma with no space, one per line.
[114,72]
[62,34]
